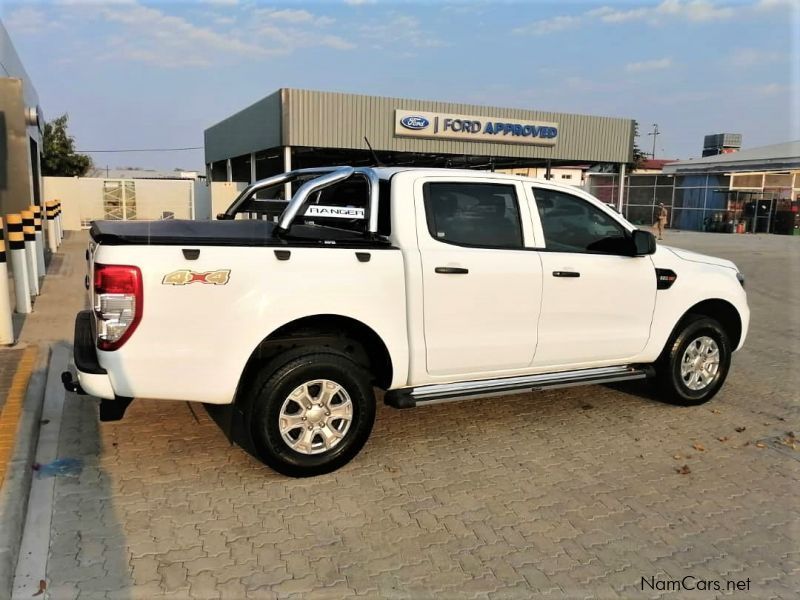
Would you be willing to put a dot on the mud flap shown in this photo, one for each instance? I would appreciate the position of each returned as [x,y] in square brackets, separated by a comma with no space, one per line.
[231,420]
[114,410]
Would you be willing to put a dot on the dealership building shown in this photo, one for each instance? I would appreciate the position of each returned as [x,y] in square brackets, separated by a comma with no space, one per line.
[292,129]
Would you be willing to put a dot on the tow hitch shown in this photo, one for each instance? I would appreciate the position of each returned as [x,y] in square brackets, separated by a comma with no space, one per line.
[110,410]
[71,384]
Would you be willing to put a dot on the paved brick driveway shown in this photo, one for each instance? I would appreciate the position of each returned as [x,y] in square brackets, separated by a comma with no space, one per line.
[569,493]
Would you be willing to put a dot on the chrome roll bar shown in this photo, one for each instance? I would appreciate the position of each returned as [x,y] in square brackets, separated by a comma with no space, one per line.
[373,183]
[308,188]
[326,176]
[269,182]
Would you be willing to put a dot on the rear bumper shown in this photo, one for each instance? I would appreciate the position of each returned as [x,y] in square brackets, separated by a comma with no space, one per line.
[93,378]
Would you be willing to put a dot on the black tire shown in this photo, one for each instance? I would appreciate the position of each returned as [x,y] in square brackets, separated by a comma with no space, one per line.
[275,387]
[671,386]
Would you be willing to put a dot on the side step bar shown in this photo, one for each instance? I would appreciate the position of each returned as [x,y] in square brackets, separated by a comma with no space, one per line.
[447,392]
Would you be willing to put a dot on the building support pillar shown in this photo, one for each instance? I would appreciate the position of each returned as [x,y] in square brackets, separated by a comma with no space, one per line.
[228,170]
[621,186]
[252,167]
[287,166]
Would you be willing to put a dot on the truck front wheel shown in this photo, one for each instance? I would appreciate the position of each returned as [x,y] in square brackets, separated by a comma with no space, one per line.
[695,363]
[313,414]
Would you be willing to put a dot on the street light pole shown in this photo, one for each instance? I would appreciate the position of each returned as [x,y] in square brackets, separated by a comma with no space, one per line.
[655,134]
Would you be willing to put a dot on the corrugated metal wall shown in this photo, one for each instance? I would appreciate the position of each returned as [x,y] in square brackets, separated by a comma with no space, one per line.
[334,120]
[257,127]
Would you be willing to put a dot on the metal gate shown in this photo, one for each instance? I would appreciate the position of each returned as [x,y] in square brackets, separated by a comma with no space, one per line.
[119,200]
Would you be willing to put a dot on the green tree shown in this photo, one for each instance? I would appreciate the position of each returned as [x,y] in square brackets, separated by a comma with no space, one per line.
[59,158]
[638,156]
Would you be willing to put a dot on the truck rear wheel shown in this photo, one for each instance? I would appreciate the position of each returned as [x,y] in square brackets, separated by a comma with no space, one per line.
[695,363]
[313,414]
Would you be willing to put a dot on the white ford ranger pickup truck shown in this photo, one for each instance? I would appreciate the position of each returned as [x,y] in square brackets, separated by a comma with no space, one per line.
[429,284]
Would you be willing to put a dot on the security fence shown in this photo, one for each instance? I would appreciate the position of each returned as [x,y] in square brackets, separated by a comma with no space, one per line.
[699,200]
[752,202]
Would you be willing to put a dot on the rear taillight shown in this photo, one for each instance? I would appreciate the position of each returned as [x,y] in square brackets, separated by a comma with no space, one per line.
[117,303]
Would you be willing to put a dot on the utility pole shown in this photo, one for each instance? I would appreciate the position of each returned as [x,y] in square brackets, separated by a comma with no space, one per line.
[655,134]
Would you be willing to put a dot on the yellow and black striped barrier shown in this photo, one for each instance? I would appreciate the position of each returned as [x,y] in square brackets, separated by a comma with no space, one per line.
[19,263]
[6,323]
[52,232]
[29,231]
[59,224]
[37,229]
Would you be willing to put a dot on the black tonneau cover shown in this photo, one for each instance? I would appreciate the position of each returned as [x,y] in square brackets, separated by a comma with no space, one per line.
[244,232]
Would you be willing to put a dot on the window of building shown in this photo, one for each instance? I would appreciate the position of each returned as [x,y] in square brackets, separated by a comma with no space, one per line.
[485,215]
[566,176]
[748,180]
[778,180]
[571,224]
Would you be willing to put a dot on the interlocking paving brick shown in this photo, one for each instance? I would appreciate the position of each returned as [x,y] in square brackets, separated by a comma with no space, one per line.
[9,360]
[16,368]
[561,494]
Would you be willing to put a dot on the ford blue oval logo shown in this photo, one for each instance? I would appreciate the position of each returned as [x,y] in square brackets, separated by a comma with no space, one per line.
[414,122]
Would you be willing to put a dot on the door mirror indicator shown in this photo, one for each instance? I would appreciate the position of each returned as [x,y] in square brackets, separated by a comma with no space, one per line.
[644,242]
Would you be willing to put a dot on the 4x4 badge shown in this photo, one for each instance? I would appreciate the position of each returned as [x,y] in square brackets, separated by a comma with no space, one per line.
[185,277]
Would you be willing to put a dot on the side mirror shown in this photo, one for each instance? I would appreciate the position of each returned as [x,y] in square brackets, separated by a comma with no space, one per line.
[644,242]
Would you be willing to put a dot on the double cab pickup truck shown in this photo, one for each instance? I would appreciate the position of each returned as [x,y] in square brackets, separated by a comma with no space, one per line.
[318,286]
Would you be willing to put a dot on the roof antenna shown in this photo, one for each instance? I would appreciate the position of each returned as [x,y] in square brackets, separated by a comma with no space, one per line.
[374,156]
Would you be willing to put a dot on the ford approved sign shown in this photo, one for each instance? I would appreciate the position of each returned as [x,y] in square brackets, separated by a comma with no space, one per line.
[474,128]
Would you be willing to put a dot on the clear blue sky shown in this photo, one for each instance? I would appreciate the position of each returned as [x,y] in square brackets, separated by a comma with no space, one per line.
[144,75]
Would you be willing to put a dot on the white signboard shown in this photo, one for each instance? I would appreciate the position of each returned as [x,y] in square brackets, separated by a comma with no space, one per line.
[470,128]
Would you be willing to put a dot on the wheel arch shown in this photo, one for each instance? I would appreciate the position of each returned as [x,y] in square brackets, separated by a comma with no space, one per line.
[720,310]
[343,334]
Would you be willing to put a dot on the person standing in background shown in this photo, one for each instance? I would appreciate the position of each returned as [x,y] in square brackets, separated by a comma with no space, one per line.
[661,220]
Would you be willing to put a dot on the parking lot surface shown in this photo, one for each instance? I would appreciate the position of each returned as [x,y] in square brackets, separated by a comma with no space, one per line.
[573,493]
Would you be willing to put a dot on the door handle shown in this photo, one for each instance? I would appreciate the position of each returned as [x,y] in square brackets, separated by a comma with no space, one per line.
[451,270]
[566,274]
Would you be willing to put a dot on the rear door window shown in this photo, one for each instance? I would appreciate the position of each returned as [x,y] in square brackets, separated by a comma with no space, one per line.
[483,215]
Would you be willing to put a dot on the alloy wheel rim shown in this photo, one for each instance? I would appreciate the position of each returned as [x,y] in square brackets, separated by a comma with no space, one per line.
[315,416]
[700,363]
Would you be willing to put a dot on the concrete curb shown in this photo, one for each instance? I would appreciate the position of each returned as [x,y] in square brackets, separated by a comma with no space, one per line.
[17,485]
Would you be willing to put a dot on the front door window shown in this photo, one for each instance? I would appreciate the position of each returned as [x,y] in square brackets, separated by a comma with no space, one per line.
[571,224]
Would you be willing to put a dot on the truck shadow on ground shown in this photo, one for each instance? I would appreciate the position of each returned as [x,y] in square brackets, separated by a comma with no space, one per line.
[165,497]
[429,424]
[87,550]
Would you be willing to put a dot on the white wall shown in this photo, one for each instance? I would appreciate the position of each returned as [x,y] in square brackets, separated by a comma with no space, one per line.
[223,193]
[82,198]
[154,197]
[79,196]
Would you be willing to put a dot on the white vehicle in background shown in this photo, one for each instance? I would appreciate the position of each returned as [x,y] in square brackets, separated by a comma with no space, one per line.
[433,285]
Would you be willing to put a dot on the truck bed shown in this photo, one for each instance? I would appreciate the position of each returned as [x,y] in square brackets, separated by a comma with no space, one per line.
[243,232]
